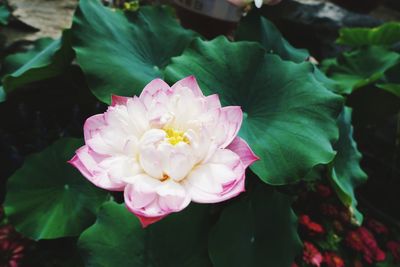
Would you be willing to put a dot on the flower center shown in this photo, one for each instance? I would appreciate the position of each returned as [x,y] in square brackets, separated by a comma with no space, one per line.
[174,137]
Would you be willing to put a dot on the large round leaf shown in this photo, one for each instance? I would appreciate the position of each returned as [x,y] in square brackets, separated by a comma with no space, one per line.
[346,172]
[386,34]
[258,230]
[120,53]
[358,68]
[14,61]
[289,117]
[391,81]
[117,239]
[4,14]
[49,62]
[48,198]
[254,27]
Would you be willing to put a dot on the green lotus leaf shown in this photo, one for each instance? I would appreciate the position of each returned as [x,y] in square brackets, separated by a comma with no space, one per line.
[4,14]
[48,63]
[289,117]
[391,81]
[346,173]
[120,53]
[118,239]
[257,28]
[361,67]
[257,230]
[386,34]
[47,198]
[14,61]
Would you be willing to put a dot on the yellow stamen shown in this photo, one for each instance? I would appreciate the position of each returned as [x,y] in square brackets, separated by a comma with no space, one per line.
[174,137]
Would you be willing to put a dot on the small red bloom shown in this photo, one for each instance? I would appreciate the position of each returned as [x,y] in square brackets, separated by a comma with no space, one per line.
[10,253]
[294,265]
[333,260]
[312,227]
[329,210]
[377,227]
[394,248]
[7,232]
[311,255]
[323,190]
[362,240]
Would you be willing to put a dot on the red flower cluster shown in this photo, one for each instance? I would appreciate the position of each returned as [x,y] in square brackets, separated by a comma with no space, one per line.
[377,227]
[361,240]
[323,190]
[331,259]
[11,247]
[311,255]
[394,248]
[311,226]
[329,210]
[10,253]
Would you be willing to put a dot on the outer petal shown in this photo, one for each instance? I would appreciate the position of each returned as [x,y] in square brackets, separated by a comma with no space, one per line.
[118,100]
[146,221]
[86,161]
[219,179]
[213,101]
[191,83]
[141,193]
[92,125]
[151,200]
[152,90]
[241,148]
[228,125]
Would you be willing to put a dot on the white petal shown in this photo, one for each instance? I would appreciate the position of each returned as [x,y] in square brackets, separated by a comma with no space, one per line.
[141,192]
[172,196]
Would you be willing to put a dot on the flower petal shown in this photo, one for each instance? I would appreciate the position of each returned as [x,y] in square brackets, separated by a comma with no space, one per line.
[216,180]
[92,125]
[191,83]
[228,125]
[151,199]
[140,193]
[172,196]
[213,101]
[87,162]
[146,221]
[241,148]
[154,88]
[118,100]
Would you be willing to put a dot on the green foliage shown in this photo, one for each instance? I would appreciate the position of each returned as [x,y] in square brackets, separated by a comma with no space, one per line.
[48,63]
[47,198]
[4,14]
[259,229]
[386,34]
[120,53]
[372,61]
[391,81]
[288,121]
[14,61]
[361,67]
[346,173]
[118,239]
[256,28]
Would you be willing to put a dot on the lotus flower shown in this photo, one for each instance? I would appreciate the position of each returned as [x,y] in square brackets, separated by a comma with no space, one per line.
[258,3]
[166,148]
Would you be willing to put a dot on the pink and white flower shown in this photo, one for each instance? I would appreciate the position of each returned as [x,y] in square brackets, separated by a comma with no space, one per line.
[166,148]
